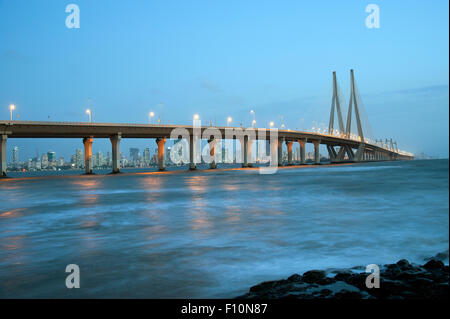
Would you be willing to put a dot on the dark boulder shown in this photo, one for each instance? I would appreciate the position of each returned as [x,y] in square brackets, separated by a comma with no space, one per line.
[434,264]
[313,276]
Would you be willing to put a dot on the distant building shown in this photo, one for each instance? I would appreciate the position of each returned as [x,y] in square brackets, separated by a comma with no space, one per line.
[51,158]
[79,159]
[108,160]
[147,156]
[44,161]
[15,155]
[98,159]
[134,155]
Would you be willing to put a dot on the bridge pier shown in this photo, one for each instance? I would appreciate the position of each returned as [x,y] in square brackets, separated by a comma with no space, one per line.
[289,149]
[332,153]
[192,162]
[87,141]
[246,149]
[161,142]
[249,156]
[115,143]
[302,143]
[212,153]
[3,162]
[280,151]
[316,152]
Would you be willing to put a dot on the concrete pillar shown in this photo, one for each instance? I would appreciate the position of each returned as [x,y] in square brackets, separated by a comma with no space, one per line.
[280,152]
[244,150]
[115,143]
[161,141]
[316,152]
[87,141]
[212,153]
[3,163]
[289,149]
[192,164]
[302,143]
[249,153]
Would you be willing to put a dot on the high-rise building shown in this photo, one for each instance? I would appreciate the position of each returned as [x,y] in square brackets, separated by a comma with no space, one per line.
[98,159]
[147,156]
[134,155]
[108,159]
[15,155]
[44,161]
[38,163]
[51,157]
[79,158]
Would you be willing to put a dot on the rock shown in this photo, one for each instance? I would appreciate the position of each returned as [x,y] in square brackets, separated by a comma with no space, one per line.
[295,278]
[404,264]
[434,264]
[401,280]
[440,256]
[325,292]
[313,276]
[343,276]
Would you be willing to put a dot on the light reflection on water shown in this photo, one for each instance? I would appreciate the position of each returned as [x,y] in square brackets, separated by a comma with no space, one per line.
[214,234]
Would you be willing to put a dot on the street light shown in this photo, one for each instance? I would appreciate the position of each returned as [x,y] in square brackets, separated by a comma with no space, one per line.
[271,124]
[253,123]
[12,107]
[88,112]
[254,119]
[151,114]
[229,119]
[196,117]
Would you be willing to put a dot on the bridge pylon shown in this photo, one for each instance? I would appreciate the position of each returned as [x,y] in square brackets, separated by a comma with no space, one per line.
[353,104]
[335,104]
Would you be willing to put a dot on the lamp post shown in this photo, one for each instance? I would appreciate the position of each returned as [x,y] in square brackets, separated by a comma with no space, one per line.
[150,116]
[229,119]
[254,119]
[12,107]
[88,112]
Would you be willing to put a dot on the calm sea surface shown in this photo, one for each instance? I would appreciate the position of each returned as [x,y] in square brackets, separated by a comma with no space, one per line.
[214,233]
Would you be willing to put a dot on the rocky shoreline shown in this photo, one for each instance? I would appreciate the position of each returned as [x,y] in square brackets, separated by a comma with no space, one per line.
[402,280]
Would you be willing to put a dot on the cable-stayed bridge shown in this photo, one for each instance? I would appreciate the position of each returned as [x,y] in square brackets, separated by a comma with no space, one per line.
[346,139]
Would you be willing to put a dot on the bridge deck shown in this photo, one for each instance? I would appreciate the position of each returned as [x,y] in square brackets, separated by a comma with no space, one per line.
[35,129]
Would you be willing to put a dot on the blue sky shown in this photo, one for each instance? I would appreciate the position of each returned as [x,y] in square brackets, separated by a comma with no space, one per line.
[223,58]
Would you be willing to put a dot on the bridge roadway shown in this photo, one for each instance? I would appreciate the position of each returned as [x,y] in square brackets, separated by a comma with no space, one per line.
[115,132]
